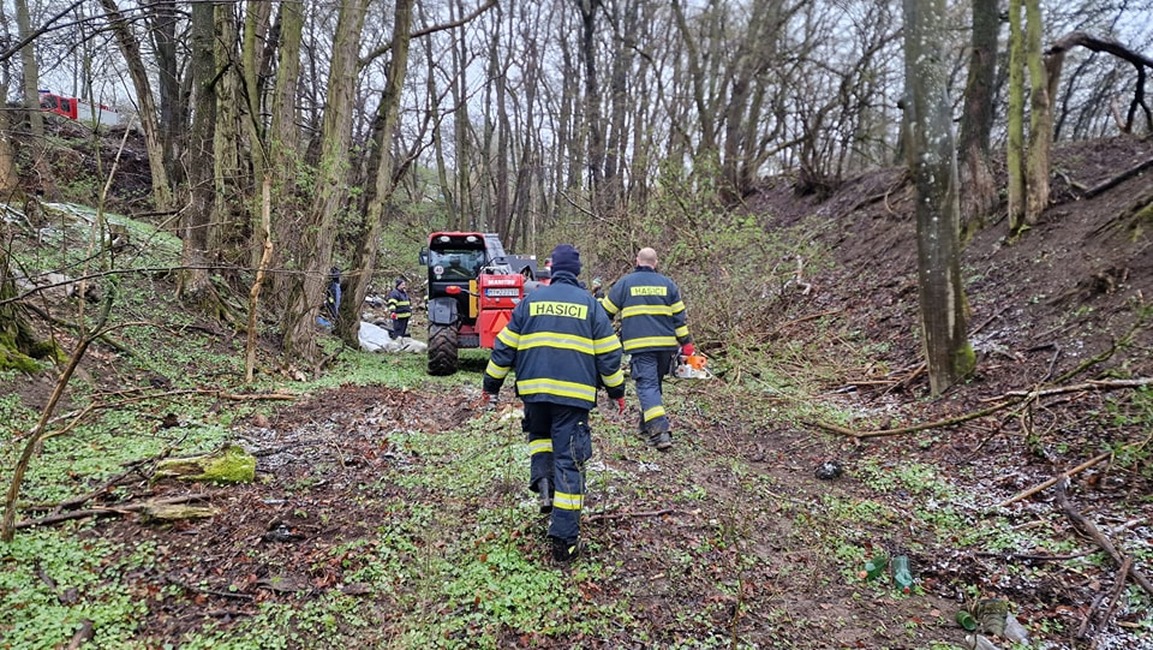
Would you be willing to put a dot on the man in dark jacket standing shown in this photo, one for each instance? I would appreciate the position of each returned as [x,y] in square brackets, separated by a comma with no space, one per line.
[400,308]
[653,325]
[560,343]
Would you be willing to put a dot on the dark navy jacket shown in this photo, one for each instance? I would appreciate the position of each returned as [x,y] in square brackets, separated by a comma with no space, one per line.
[560,342]
[399,304]
[652,313]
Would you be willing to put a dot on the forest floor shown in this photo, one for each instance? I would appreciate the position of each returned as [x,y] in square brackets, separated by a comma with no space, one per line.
[393,513]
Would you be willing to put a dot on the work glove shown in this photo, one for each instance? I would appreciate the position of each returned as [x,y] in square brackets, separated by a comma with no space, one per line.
[688,349]
[392,316]
[620,405]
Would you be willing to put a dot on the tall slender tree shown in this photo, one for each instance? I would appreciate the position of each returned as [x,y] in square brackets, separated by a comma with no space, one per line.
[30,70]
[368,243]
[980,195]
[933,163]
[1040,118]
[149,125]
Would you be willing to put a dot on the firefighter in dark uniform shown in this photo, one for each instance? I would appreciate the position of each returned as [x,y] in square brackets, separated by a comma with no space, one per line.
[560,343]
[332,295]
[400,308]
[653,325]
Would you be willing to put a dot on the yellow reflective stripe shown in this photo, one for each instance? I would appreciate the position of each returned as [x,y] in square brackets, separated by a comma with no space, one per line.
[607,344]
[509,338]
[566,501]
[558,388]
[613,380]
[654,412]
[495,371]
[540,446]
[682,331]
[609,306]
[677,306]
[556,340]
[651,342]
[648,310]
[401,303]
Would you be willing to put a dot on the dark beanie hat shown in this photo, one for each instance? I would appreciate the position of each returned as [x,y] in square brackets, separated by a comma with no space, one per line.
[399,281]
[566,259]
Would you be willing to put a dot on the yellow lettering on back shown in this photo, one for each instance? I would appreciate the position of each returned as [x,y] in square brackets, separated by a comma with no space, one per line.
[550,308]
[650,291]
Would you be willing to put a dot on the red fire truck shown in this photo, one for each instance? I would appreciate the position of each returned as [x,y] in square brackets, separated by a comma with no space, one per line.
[94,115]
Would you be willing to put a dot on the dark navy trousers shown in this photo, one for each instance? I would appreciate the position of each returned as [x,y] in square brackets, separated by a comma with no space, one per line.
[560,442]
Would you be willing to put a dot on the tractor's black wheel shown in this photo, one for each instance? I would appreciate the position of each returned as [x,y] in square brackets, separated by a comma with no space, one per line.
[442,350]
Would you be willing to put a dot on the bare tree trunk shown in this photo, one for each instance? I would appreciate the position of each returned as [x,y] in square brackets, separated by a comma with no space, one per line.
[230,237]
[9,178]
[163,31]
[195,283]
[592,102]
[130,48]
[616,146]
[30,70]
[464,211]
[255,28]
[1040,119]
[980,195]
[502,216]
[932,162]
[307,295]
[369,241]
[1015,155]
[284,143]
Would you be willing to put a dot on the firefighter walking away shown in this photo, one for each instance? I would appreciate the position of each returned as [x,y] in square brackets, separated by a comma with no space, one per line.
[653,326]
[561,344]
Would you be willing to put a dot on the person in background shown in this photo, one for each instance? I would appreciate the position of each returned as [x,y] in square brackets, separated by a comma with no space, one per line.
[653,325]
[560,343]
[400,309]
[598,289]
[544,275]
[332,295]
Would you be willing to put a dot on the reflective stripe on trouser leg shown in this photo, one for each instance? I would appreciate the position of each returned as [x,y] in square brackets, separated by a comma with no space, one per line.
[536,423]
[646,372]
[572,446]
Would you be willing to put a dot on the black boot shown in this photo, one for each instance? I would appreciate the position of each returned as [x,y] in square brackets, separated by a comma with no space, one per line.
[662,440]
[544,498]
[563,550]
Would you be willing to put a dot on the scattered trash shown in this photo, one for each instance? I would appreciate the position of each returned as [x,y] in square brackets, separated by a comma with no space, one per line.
[829,470]
[901,573]
[992,616]
[966,620]
[1014,631]
[978,642]
[874,568]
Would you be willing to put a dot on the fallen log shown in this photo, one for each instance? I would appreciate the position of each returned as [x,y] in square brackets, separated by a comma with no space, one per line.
[229,464]
[124,509]
[602,516]
[1081,523]
[1062,476]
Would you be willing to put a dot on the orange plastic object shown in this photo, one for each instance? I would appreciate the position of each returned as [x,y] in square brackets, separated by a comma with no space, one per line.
[695,361]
